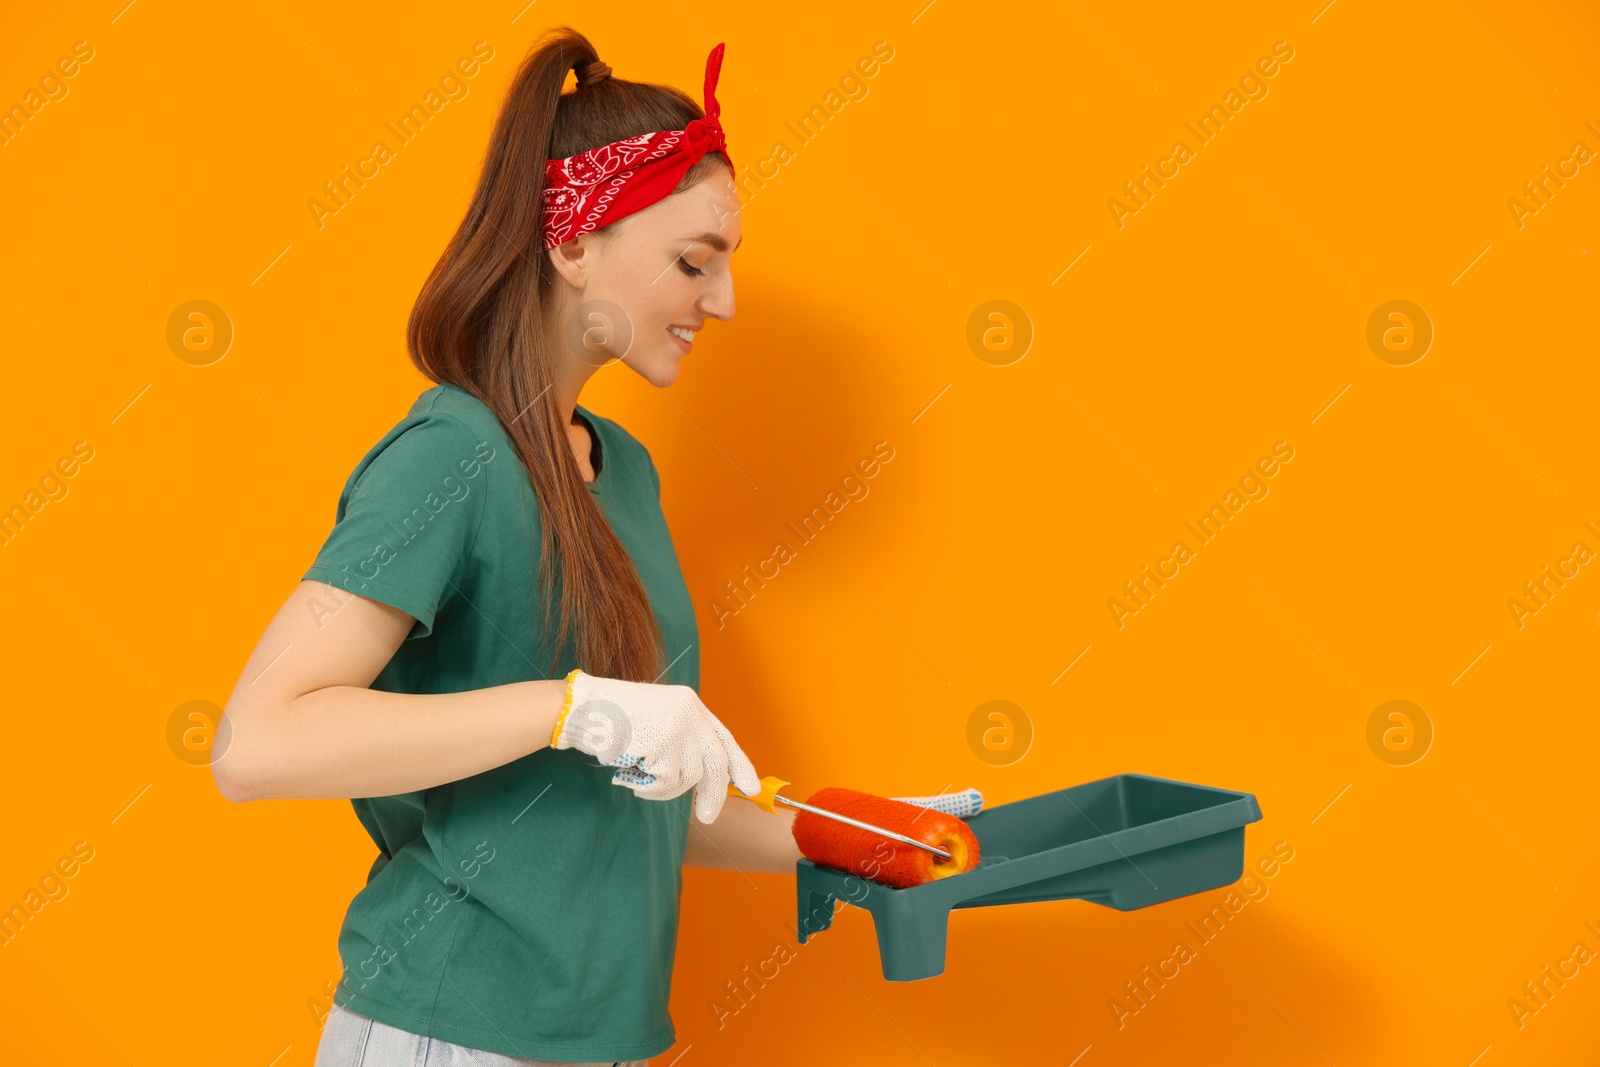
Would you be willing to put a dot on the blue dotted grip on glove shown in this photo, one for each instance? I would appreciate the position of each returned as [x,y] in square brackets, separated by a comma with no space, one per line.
[631,771]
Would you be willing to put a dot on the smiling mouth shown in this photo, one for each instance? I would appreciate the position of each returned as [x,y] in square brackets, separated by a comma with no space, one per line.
[686,342]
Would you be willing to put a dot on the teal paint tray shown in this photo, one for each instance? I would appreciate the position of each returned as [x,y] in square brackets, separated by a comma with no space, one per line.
[1125,842]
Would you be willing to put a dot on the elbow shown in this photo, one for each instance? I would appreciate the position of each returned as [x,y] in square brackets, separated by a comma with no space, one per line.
[230,783]
[225,785]
[230,771]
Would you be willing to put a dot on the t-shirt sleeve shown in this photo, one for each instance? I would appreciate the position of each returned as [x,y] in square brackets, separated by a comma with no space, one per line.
[408,521]
[654,476]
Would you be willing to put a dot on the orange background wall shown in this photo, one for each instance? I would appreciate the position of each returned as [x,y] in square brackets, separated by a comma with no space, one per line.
[1229,313]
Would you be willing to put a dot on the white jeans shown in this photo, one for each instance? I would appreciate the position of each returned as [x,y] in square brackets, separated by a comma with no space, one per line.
[351,1040]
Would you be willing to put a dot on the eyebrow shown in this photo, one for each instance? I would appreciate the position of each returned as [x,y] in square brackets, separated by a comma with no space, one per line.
[715,240]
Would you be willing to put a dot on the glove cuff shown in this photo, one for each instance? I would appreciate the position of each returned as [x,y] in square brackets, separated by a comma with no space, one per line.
[566,709]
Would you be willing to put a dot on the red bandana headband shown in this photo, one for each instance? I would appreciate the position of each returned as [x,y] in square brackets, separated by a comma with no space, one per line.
[604,184]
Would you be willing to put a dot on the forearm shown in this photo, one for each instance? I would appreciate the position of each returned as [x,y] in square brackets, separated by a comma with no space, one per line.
[346,741]
[744,838]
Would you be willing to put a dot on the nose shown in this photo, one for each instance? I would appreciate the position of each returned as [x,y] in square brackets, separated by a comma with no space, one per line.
[717,303]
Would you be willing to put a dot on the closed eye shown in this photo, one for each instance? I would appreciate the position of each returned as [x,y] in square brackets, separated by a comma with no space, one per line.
[691,271]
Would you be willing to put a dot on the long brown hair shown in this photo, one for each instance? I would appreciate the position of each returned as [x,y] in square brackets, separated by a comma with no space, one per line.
[479,323]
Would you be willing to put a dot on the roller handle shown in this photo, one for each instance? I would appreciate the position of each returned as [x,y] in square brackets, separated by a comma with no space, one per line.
[764,799]
[768,797]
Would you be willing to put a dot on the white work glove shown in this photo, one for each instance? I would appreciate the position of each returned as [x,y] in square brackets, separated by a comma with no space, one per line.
[661,738]
[962,805]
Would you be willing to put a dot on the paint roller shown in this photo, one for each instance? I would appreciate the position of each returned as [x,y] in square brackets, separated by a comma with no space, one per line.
[885,841]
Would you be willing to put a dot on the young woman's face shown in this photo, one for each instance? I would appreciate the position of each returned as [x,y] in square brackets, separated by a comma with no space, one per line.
[664,267]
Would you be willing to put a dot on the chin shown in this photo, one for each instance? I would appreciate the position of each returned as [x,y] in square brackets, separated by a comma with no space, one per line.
[661,374]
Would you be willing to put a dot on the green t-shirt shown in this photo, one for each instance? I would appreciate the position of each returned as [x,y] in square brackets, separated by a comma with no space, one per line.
[531,910]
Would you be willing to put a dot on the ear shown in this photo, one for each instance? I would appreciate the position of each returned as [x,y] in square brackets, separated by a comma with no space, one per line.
[570,259]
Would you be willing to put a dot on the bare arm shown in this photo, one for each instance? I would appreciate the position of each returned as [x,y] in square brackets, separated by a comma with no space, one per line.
[744,838]
[301,722]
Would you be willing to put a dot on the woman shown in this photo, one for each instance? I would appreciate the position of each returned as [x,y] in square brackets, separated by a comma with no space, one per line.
[523,906]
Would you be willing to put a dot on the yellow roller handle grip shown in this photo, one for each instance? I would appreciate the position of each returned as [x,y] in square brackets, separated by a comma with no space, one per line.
[764,799]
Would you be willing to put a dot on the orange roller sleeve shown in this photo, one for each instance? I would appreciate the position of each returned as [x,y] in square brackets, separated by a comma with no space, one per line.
[880,859]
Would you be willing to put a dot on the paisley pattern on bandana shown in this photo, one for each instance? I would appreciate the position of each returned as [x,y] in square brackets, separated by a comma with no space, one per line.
[575,190]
